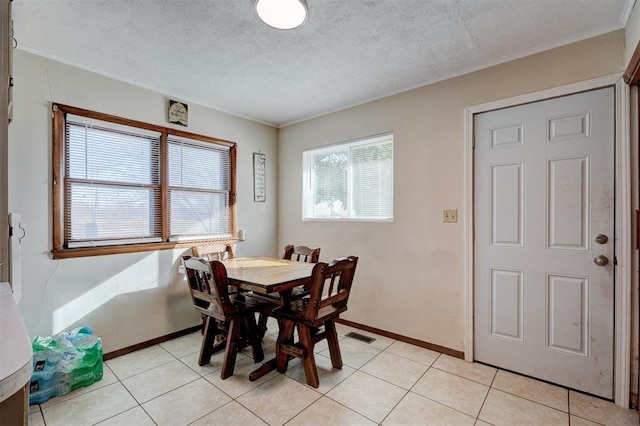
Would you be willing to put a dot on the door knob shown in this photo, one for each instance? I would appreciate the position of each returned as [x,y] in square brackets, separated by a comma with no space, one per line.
[601,239]
[601,260]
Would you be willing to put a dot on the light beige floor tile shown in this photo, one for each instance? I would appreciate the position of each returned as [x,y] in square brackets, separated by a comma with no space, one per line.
[230,414]
[322,345]
[415,409]
[354,354]
[139,361]
[328,412]
[278,400]
[91,407]
[451,390]
[35,408]
[469,370]
[534,390]
[134,417]
[183,345]
[239,383]
[329,377]
[214,365]
[35,419]
[272,326]
[108,378]
[343,329]
[160,380]
[579,421]
[481,423]
[501,408]
[395,369]
[186,404]
[367,395]
[380,342]
[268,346]
[413,352]
[600,411]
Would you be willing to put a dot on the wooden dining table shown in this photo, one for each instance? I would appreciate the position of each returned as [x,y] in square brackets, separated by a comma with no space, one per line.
[268,275]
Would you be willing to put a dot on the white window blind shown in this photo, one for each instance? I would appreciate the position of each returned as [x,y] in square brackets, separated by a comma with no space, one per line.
[112,184]
[199,187]
[350,181]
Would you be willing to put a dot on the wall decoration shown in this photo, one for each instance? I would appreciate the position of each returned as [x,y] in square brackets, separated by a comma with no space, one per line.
[259,177]
[178,112]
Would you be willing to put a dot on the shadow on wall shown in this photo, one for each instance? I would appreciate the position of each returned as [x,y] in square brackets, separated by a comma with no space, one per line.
[144,275]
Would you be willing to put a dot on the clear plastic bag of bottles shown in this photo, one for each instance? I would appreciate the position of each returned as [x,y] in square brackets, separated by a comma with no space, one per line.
[63,363]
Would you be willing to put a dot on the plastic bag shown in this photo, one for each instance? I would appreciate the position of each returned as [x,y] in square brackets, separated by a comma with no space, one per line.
[63,363]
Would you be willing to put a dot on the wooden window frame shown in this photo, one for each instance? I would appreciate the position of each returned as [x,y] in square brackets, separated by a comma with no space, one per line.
[59,251]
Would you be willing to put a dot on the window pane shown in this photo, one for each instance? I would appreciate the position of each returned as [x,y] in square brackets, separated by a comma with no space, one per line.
[106,155]
[201,166]
[99,212]
[199,214]
[329,179]
[372,181]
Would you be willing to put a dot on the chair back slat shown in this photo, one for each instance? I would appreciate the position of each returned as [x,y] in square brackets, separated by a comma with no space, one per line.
[302,253]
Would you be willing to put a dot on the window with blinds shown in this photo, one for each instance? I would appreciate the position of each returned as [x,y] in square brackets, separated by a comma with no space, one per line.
[198,190]
[121,185]
[349,181]
[112,184]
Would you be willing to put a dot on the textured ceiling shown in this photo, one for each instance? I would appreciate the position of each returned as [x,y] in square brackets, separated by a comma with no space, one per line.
[219,54]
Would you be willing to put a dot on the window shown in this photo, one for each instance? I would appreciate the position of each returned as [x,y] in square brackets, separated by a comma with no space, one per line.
[349,181]
[123,186]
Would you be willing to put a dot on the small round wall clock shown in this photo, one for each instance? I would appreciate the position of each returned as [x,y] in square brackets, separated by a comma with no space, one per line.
[178,112]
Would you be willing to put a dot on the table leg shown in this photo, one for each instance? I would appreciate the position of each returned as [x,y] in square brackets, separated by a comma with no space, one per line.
[281,360]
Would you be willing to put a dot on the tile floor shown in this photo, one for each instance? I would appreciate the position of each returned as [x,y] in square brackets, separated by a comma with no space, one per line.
[385,382]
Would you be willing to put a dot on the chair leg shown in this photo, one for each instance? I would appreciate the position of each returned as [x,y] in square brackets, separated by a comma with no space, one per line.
[284,335]
[232,348]
[209,335]
[309,361]
[334,347]
[262,324]
[254,338]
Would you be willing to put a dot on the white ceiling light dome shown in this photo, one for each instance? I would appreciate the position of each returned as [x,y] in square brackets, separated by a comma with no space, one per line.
[282,14]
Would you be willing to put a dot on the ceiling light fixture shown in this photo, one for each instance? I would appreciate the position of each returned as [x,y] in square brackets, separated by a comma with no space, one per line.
[282,14]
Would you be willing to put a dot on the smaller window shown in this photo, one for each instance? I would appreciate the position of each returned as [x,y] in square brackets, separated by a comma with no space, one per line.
[349,181]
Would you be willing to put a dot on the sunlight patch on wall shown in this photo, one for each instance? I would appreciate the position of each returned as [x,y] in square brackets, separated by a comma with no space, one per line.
[142,275]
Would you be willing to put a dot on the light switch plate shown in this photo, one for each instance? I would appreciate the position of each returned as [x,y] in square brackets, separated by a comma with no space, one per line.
[450,215]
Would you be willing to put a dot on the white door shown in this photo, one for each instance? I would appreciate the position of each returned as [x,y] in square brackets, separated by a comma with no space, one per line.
[543,203]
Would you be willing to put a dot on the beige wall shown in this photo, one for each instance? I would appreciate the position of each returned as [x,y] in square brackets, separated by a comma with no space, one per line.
[126,298]
[410,274]
[632,34]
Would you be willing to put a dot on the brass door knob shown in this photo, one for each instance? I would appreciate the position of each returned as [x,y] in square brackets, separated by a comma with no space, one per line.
[601,260]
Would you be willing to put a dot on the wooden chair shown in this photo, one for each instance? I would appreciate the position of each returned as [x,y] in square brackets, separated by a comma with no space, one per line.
[208,288]
[214,252]
[291,252]
[330,290]
[302,253]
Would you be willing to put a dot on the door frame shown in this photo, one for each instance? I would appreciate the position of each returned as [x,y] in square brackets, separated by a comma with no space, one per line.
[623,238]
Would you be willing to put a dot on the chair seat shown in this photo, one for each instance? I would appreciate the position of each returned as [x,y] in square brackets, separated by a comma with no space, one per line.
[241,302]
[297,307]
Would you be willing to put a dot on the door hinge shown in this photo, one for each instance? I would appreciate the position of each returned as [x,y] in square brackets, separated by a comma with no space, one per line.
[615,260]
